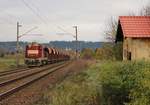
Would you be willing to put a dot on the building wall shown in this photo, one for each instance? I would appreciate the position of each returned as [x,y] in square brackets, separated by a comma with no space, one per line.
[138,48]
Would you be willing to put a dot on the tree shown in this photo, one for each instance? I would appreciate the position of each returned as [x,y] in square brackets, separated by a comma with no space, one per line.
[112,51]
[111,30]
[146,11]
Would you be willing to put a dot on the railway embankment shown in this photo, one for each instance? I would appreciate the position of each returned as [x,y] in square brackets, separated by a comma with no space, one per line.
[103,83]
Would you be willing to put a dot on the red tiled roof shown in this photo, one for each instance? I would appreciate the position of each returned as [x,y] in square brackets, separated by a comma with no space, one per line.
[135,26]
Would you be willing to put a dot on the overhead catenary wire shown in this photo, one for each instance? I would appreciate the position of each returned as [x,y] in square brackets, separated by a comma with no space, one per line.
[43,18]
[28,31]
[66,32]
[33,11]
[37,13]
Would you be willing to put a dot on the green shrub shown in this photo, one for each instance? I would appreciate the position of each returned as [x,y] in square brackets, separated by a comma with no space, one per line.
[118,51]
[104,53]
[109,51]
[126,82]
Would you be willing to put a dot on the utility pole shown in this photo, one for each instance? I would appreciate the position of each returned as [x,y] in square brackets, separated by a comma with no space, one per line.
[76,31]
[19,36]
[17,45]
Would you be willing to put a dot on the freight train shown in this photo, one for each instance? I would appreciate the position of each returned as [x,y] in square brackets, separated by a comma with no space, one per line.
[38,55]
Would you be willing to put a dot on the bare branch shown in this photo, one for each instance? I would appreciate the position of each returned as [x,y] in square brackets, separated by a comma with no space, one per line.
[111,30]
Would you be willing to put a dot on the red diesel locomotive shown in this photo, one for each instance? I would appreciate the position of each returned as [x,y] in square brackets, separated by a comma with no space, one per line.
[37,55]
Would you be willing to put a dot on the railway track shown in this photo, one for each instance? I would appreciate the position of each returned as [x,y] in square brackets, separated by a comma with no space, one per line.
[13,71]
[18,73]
[12,85]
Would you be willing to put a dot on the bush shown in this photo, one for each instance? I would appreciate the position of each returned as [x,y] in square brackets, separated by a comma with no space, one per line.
[87,53]
[109,51]
[105,53]
[118,51]
[126,82]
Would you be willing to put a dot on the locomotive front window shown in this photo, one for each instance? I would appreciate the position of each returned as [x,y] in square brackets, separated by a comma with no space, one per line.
[32,51]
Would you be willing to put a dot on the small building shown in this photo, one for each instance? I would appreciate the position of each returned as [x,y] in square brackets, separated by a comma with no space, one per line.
[134,32]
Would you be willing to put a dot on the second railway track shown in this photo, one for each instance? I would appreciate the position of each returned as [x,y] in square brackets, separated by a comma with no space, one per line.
[11,86]
[13,71]
[12,76]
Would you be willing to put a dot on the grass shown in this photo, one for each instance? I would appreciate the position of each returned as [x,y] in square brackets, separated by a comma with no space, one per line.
[9,62]
[105,83]
[70,92]
[74,90]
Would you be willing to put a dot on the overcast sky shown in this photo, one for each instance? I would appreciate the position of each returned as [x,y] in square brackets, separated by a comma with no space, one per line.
[54,17]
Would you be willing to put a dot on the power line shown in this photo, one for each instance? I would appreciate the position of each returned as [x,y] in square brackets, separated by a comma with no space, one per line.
[28,31]
[38,10]
[33,11]
[65,31]
[46,18]
[42,17]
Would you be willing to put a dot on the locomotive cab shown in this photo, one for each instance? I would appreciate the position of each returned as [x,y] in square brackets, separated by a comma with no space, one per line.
[35,55]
